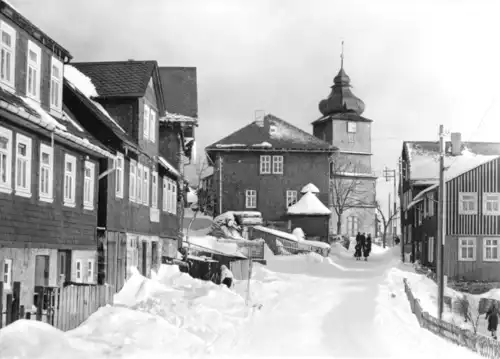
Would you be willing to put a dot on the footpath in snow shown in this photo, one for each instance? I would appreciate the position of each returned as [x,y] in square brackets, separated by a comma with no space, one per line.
[312,306]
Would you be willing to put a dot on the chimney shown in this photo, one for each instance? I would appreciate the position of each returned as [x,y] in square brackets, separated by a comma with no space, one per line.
[456,144]
[259,118]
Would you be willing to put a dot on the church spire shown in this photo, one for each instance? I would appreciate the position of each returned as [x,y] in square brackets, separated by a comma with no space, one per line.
[342,56]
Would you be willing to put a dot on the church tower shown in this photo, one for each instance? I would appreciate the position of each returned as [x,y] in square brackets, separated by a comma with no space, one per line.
[352,183]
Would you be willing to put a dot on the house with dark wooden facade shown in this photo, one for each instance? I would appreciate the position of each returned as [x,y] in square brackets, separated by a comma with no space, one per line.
[264,165]
[141,191]
[420,171]
[49,166]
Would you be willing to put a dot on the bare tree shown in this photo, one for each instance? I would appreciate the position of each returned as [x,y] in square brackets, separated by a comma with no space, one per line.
[346,189]
[386,221]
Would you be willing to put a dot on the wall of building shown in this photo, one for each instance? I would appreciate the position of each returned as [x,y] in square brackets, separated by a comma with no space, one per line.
[313,226]
[84,257]
[362,142]
[125,113]
[365,216]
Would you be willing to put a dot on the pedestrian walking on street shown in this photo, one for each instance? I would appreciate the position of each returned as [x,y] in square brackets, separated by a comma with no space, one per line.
[367,247]
[492,317]
[357,248]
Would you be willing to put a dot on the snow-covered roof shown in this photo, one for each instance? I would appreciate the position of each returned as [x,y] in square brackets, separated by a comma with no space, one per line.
[309,204]
[354,174]
[292,237]
[175,117]
[212,245]
[168,166]
[262,144]
[309,188]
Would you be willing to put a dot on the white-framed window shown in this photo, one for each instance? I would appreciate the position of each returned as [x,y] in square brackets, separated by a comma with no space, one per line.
[69,180]
[5,160]
[7,273]
[23,165]
[8,54]
[250,198]
[132,180]
[145,122]
[430,250]
[491,249]
[152,125]
[173,201]
[265,164]
[467,249]
[78,271]
[33,71]
[119,171]
[46,173]
[352,225]
[291,198]
[351,127]
[491,204]
[154,189]
[278,164]
[165,194]
[88,185]
[467,203]
[138,192]
[145,186]
[56,76]
[90,270]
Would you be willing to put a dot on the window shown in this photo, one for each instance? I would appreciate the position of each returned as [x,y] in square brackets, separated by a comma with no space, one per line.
[23,165]
[491,204]
[165,194]
[278,164]
[291,198]
[33,71]
[90,271]
[7,273]
[119,175]
[88,186]
[78,271]
[250,198]
[56,76]
[351,137]
[154,189]
[46,172]
[467,249]
[173,200]
[5,160]
[138,192]
[351,127]
[133,175]
[430,250]
[468,203]
[490,249]
[352,225]
[265,165]
[152,125]
[145,186]
[7,55]
[69,180]
[145,122]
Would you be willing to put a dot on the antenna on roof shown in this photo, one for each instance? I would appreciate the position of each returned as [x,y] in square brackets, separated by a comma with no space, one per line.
[342,56]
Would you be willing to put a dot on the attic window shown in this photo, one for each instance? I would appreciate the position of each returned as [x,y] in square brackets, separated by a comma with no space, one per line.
[351,127]
[272,130]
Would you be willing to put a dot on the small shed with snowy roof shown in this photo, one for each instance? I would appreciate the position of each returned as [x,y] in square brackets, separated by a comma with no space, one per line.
[310,214]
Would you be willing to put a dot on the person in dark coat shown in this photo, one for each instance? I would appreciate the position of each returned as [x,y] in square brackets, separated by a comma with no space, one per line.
[367,248]
[357,248]
[492,317]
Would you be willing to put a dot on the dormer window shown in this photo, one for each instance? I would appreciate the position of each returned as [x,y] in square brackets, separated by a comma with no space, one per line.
[8,50]
[33,71]
[351,127]
[56,84]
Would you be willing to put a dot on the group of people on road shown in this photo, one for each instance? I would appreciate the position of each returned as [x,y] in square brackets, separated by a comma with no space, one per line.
[363,246]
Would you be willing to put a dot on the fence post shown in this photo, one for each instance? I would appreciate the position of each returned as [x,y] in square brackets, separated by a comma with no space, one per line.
[16,291]
[39,304]
[1,304]
[8,310]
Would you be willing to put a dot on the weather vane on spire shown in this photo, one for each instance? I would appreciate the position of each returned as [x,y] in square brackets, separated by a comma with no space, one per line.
[342,56]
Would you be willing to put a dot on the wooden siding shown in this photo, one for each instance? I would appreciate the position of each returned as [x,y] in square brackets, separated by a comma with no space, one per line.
[484,178]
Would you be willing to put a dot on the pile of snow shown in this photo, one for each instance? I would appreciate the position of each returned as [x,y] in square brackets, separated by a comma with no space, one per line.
[376,249]
[263,144]
[212,244]
[299,234]
[309,204]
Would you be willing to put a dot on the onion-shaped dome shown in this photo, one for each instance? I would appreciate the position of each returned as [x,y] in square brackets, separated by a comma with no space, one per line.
[341,99]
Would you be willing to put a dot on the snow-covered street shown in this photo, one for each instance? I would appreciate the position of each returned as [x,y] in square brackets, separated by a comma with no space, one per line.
[334,307]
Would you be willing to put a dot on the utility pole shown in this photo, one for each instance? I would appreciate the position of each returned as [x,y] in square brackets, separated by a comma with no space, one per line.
[403,235]
[388,174]
[441,224]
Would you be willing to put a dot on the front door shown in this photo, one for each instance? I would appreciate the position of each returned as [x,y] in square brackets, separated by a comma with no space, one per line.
[42,271]
[64,266]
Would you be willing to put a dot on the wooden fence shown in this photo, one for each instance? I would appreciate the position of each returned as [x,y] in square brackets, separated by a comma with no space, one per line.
[486,347]
[62,307]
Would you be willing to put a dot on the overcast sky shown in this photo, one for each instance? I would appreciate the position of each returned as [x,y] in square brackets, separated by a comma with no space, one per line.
[415,64]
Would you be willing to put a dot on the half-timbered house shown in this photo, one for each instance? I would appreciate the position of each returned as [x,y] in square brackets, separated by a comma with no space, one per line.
[472,219]
[49,166]
[420,170]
